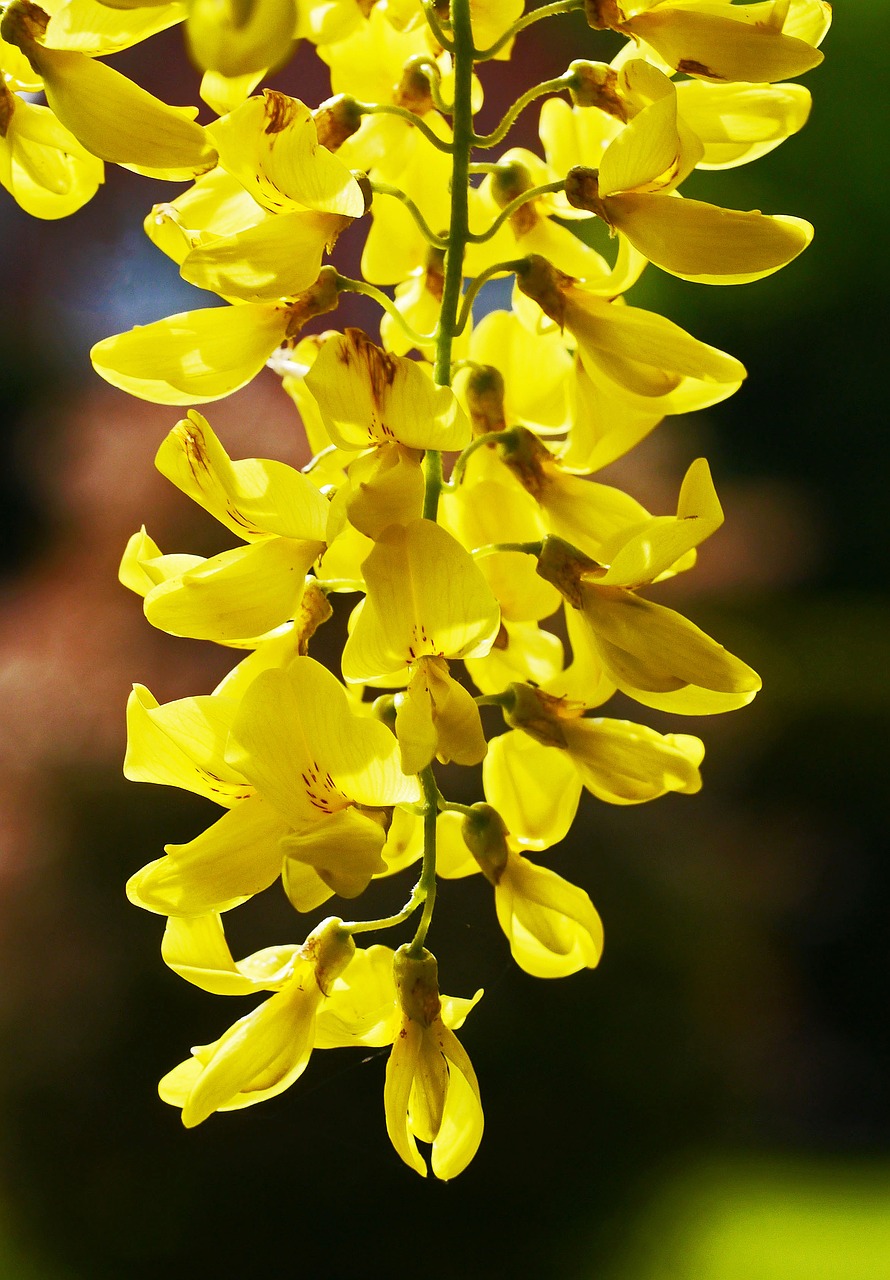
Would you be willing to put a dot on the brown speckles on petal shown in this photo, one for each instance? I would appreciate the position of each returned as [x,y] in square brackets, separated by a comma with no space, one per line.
[689,67]
[280,110]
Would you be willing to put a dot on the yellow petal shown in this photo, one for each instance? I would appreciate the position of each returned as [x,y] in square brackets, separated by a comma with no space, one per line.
[195,356]
[367,396]
[343,847]
[237,38]
[196,949]
[722,48]
[278,258]
[224,866]
[534,788]
[460,1129]
[236,596]
[625,763]
[42,165]
[294,727]
[426,598]
[552,926]
[182,744]
[116,120]
[707,244]
[254,497]
[270,144]
[739,123]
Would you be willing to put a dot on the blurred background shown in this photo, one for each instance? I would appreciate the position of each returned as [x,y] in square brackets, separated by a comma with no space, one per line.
[711,1104]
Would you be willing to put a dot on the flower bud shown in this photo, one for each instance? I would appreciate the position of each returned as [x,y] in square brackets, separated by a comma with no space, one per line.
[485,835]
[330,948]
[417,983]
[596,85]
[484,390]
[336,120]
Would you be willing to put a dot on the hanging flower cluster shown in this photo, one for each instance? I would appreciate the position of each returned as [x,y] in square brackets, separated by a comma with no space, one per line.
[449,489]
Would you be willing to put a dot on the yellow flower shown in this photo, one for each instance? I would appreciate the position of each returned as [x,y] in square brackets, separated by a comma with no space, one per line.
[431,1092]
[108,114]
[198,356]
[295,726]
[426,601]
[717,39]
[42,165]
[534,777]
[652,653]
[367,396]
[270,144]
[236,596]
[263,1053]
[551,925]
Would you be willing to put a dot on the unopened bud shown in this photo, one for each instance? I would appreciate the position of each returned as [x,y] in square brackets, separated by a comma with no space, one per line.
[417,982]
[583,191]
[330,947]
[535,713]
[566,567]
[319,298]
[484,389]
[602,14]
[336,120]
[413,92]
[523,453]
[315,608]
[596,85]
[485,835]
[539,280]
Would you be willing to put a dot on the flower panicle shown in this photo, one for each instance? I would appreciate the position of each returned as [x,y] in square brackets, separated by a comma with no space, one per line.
[451,493]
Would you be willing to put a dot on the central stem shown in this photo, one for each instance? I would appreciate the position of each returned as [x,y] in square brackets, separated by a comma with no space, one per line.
[459,229]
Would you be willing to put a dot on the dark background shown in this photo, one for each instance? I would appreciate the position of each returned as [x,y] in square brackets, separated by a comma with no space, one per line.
[711,1104]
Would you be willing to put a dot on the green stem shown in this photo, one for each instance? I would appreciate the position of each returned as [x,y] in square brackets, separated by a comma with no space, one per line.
[347,285]
[547,11]
[429,12]
[566,81]
[384,189]
[390,109]
[427,882]
[459,228]
[499,269]
[479,237]
[460,466]
[388,922]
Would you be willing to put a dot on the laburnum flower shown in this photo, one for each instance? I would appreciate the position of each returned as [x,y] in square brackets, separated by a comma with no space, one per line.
[368,397]
[385,409]
[263,1053]
[375,63]
[534,774]
[42,165]
[270,146]
[198,356]
[108,114]
[295,726]
[426,602]
[431,1092]
[631,355]
[733,123]
[532,230]
[634,192]
[237,596]
[551,925]
[720,40]
[650,652]
[307,782]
